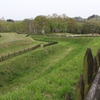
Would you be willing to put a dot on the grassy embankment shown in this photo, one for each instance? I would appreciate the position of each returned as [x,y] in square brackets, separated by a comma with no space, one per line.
[10,42]
[46,73]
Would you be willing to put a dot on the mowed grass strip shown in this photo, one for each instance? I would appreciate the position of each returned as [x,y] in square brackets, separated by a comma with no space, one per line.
[47,73]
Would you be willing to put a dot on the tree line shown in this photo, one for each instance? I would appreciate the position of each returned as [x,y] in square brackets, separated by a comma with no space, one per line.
[52,24]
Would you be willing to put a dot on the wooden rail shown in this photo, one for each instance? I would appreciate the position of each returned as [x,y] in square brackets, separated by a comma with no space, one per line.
[50,43]
[2,58]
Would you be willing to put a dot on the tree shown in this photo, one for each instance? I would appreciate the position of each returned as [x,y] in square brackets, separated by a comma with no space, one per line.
[26,25]
[8,26]
[40,24]
[54,24]
[90,27]
[19,27]
[72,26]
[10,20]
[54,15]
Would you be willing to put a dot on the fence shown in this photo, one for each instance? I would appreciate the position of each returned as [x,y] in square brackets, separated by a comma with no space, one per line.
[2,58]
[50,43]
[90,78]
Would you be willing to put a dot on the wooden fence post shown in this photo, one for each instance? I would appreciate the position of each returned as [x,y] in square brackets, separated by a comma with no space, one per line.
[19,52]
[88,70]
[2,58]
[28,49]
[14,53]
[98,58]
[8,55]
[94,92]
[95,67]
[80,89]
[24,50]
[68,96]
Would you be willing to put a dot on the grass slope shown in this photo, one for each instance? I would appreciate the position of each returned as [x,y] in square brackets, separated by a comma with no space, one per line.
[46,73]
[11,42]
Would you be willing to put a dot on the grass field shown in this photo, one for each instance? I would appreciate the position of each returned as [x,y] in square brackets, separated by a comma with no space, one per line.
[46,73]
[11,42]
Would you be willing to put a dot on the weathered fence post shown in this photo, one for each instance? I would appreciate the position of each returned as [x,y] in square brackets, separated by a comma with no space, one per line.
[94,92]
[95,67]
[87,70]
[80,89]
[68,96]
[8,55]
[14,53]
[24,50]
[2,58]
[28,49]
[98,58]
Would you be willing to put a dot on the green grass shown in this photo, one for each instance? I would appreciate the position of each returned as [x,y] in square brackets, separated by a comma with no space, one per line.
[46,73]
[12,42]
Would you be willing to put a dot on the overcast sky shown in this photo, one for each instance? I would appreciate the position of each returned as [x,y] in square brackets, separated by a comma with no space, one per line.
[21,9]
